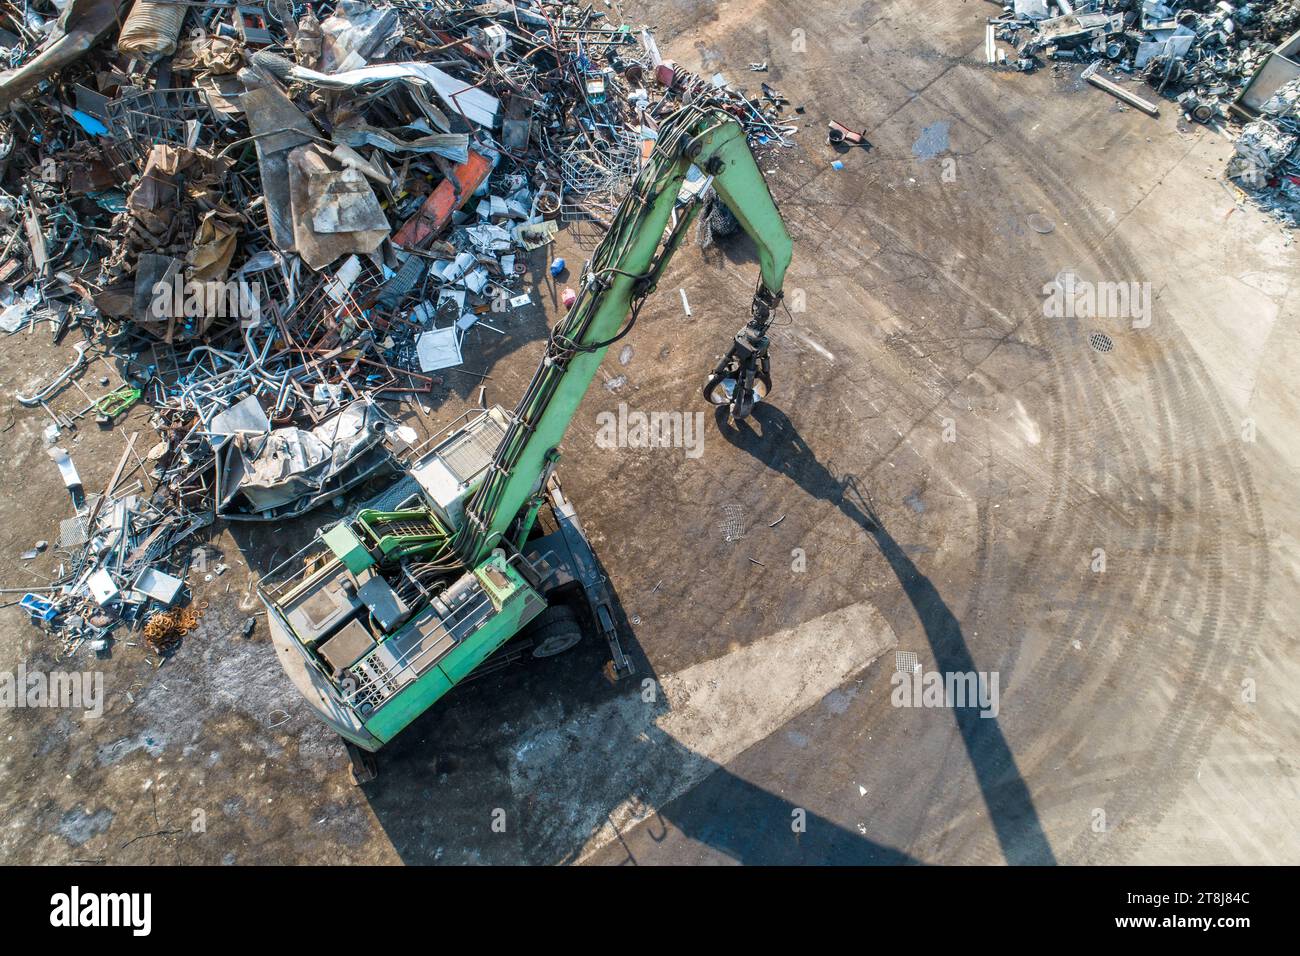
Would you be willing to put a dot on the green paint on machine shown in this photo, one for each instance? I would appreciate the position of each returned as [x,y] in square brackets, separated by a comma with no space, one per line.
[516,604]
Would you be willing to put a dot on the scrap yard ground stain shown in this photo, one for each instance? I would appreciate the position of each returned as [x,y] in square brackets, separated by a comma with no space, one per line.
[932,141]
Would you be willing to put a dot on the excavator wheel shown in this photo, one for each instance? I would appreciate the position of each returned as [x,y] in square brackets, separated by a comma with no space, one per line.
[363,765]
[554,631]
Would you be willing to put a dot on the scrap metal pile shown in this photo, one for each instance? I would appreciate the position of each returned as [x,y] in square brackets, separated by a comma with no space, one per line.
[1266,156]
[268,220]
[1202,53]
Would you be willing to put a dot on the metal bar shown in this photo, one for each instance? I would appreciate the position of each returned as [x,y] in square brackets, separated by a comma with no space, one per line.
[1117,91]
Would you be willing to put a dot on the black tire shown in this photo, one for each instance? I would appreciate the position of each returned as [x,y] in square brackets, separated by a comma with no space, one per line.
[554,631]
[363,765]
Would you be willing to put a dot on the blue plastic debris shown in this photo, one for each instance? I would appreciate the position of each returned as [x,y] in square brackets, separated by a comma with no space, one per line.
[837,165]
[557,267]
[112,200]
[38,607]
[91,125]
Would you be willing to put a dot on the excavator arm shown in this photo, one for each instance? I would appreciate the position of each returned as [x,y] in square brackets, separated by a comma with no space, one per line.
[623,270]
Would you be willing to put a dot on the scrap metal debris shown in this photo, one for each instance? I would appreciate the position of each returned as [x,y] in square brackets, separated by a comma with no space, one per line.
[164,629]
[1266,157]
[1230,62]
[274,223]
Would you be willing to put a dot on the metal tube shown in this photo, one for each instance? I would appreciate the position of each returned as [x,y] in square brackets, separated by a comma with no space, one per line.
[1117,91]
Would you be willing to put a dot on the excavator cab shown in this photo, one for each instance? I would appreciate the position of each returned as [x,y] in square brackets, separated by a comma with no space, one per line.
[372,632]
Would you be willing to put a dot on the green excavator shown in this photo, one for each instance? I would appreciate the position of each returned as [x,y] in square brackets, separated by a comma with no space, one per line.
[455,573]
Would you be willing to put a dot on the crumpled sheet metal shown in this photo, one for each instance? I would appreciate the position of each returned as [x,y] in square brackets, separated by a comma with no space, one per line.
[279,127]
[1260,148]
[214,248]
[357,33]
[80,27]
[341,201]
[1285,102]
[476,105]
[246,416]
[453,146]
[263,473]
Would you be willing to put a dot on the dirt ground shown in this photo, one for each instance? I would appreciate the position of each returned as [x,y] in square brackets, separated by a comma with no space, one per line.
[937,471]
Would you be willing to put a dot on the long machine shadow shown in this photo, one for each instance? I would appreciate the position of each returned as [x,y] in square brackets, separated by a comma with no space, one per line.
[562,752]
[756,827]
[778,444]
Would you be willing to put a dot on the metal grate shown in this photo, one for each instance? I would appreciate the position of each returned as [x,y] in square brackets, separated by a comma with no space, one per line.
[403,528]
[72,532]
[179,117]
[1101,342]
[733,522]
[384,671]
[395,496]
[375,682]
[469,454]
[596,179]
[906,662]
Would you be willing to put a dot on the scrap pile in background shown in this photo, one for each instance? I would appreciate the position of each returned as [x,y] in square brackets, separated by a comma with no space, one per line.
[1222,61]
[266,220]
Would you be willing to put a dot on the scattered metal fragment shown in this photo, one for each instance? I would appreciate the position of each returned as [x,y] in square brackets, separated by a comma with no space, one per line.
[1041,224]
[837,134]
[1117,91]
[733,522]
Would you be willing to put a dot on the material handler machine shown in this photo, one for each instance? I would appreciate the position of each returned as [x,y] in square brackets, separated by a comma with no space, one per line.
[455,574]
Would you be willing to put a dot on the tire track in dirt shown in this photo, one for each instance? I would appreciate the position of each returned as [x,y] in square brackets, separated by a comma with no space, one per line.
[1069,704]
[1150,787]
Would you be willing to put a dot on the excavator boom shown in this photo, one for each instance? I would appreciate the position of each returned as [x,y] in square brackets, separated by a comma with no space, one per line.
[623,270]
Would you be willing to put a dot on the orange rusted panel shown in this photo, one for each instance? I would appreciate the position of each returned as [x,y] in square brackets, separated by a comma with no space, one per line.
[436,211]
